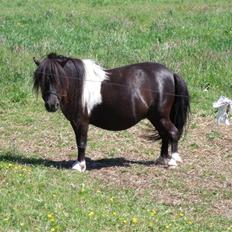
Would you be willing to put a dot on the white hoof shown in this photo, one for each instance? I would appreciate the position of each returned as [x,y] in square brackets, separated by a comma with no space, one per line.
[176,157]
[172,163]
[79,166]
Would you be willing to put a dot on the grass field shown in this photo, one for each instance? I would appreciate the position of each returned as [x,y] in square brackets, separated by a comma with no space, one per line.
[121,190]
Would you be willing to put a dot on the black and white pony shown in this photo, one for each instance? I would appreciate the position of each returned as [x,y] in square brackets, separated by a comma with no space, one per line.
[115,99]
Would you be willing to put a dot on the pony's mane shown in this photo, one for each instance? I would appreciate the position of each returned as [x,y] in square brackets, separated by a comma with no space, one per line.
[81,78]
[50,69]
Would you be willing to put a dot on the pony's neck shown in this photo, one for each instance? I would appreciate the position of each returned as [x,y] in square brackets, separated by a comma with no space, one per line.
[84,87]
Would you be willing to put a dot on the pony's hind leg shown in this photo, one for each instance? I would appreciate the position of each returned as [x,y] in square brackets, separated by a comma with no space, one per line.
[174,152]
[164,157]
[168,132]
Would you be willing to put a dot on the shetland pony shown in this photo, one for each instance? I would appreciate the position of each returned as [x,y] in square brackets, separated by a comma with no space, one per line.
[115,99]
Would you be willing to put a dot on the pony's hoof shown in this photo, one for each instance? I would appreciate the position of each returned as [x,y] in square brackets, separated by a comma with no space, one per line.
[176,157]
[161,161]
[172,163]
[169,163]
[79,166]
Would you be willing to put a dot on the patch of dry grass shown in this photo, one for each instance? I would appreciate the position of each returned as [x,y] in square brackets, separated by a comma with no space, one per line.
[125,159]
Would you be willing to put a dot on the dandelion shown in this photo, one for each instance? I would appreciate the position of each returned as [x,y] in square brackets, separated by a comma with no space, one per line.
[190,222]
[153,213]
[22,224]
[114,213]
[168,226]
[50,216]
[111,199]
[134,220]
[181,214]
[91,214]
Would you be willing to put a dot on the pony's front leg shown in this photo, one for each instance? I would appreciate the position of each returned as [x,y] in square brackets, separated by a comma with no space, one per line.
[174,149]
[81,131]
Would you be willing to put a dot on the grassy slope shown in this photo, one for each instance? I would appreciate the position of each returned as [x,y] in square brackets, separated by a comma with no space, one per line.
[192,38]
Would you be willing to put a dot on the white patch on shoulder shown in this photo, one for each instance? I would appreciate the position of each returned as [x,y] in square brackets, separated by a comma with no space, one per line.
[79,166]
[93,78]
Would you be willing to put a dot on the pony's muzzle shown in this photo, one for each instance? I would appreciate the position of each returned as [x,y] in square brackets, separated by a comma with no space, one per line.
[52,107]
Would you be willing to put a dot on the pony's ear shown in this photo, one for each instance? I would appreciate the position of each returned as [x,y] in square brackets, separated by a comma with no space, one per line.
[36,61]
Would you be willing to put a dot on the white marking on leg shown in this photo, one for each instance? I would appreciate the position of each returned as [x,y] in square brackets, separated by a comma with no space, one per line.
[176,157]
[93,78]
[79,166]
[172,163]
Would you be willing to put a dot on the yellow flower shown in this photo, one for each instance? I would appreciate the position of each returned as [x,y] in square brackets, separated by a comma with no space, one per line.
[134,220]
[50,215]
[114,213]
[153,212]
[190,222]
[91,214]
[181,214]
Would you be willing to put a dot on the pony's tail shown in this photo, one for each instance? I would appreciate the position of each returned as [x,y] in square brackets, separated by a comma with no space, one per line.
[181,107]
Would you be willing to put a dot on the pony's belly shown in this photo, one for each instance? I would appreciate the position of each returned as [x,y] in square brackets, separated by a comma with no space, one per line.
[114,122]
[113,127]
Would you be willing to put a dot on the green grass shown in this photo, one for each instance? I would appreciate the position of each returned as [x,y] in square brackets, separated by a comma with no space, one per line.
[42,198]
[192,38]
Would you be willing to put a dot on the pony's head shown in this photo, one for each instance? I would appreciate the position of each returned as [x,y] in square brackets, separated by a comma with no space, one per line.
[49,78]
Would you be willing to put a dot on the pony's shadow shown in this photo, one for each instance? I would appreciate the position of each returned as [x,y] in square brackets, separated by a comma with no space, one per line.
[67,164]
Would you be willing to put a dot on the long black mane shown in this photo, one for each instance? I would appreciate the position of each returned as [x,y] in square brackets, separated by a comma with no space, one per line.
[52,70]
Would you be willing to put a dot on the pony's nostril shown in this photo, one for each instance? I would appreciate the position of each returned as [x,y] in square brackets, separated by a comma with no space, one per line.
[57,104]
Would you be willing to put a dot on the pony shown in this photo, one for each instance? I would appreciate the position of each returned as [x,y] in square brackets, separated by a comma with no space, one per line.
[115,99]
